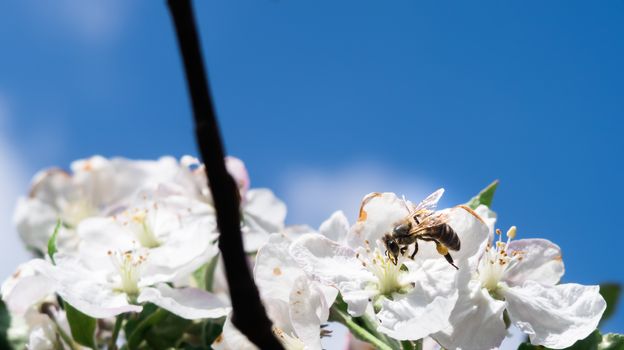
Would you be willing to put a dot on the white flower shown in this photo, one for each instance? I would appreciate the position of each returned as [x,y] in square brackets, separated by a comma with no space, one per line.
[96,187]
[26,288]
[177,233]
[121,286]
[262,212]
[517,279]
[127,259]
[409,300]
[296,305]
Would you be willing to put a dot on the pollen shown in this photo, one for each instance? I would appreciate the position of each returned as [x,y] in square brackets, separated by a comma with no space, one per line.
[277,271]
[497,260]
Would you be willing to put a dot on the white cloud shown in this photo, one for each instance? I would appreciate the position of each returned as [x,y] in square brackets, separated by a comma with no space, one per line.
[93,21]
[313,194]
[13,183]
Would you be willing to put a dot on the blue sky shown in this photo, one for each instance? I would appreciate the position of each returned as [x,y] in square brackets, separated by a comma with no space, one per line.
[329,100]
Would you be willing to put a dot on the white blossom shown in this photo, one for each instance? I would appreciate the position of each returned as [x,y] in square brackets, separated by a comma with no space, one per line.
[262,212]
[95,187]
[409,300]
[518,279]
[296,305]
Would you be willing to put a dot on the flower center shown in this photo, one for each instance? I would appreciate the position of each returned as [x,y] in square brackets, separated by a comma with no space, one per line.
[129,267]
[497,260]
[388,275]
[140,226]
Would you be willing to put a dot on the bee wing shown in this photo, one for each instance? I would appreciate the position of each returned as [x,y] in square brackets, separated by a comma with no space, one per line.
[433,220]
[430,203]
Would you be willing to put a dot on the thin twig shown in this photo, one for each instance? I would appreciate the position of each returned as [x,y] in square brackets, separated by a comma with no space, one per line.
[249,315]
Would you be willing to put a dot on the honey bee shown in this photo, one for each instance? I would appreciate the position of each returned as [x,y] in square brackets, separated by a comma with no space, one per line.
[425,224]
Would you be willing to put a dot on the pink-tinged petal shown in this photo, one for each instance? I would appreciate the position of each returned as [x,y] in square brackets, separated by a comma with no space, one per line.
[335,265]
[189,303]
[303,308]
[541,262]
[426,308]
[237,169]
[336,227]
[476,321]
[554,316]
[379,214]
[51,185]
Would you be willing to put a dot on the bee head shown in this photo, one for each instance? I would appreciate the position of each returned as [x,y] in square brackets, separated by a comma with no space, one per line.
[392,248]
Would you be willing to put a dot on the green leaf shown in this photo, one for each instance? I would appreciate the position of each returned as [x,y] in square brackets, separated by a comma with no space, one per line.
[484,197]
[611,293]
[52,241]
[212,329]
[167,333]
[594,341]
[5,323]
[82,326]
[139,324]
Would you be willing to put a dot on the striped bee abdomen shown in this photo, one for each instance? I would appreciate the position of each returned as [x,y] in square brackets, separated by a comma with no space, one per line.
[447,236]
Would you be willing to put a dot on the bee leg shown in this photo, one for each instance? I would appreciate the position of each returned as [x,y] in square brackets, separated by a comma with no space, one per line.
[403,249]
[444,251]
[415,250]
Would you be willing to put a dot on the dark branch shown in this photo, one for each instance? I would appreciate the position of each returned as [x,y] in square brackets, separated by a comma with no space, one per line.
[248,313]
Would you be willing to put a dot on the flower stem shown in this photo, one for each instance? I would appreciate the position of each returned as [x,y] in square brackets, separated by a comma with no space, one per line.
[357,330]
[118,323]
[65,337]
[135,338]
[411,344]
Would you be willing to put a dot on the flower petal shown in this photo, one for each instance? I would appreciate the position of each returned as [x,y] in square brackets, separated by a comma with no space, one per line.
[489,217]
[189,303]
[472,231]
[276,271]
[266,210]
[26,287]
[303,307]
[239,173]
[232,339]
[336,227]
[541,262]
[335,265]
[378,216]
[87,290]
[476,313]
[426,308]
[555,316]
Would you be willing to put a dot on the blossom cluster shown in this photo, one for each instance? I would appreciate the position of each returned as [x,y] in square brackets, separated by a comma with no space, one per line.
[127,256]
